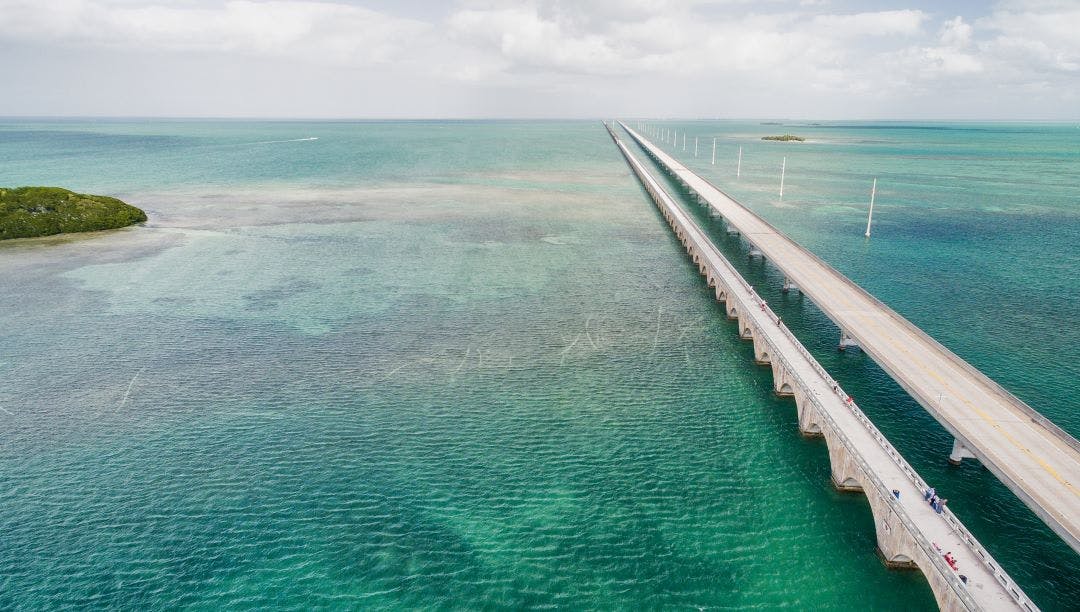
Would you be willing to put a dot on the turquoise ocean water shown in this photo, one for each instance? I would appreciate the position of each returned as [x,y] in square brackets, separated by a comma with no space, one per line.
[384,365]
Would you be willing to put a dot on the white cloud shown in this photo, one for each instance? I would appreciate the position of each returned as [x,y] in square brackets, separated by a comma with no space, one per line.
[955,33]
[1041,36]
[319,31]
[881,23]
[679,55]
[951,57]
[523,38]
[539,37]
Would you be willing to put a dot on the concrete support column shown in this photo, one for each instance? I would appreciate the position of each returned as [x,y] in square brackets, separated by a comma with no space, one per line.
[732,312]
[960,452]
[845,472]
[696,258]
[755,252]
[746,330]
[895,545]
[783,384]
[846,341]
[808,417]
[761,350]
[789,285]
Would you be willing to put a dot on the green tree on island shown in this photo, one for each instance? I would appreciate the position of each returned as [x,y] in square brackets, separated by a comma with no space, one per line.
[26,212]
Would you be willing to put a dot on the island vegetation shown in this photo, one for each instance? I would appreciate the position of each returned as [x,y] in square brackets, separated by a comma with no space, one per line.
[784,138]
[27,212]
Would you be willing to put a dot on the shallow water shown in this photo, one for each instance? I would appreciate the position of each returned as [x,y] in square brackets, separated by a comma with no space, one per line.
[465,364]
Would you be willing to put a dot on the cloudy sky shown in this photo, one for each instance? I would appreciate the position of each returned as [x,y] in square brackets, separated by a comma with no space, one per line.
[919,59]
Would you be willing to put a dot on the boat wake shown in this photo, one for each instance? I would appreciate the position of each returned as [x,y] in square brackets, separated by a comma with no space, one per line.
[290,140]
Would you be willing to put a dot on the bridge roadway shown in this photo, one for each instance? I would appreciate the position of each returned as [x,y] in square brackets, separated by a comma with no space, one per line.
[1037,460]
[908,530]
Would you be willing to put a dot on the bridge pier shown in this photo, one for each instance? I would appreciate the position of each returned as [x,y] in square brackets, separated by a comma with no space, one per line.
[844,470]
[755,252]
[846,341]
[761,350]
[784,384]
[960,452]
[702,269]
[809,421]
[789,285]
[895,546]
[746,330]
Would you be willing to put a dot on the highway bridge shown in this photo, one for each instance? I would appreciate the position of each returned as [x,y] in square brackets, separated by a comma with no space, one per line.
[1032,456]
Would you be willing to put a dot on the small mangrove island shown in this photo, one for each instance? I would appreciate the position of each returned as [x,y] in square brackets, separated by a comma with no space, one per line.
[28,212]
[784,138]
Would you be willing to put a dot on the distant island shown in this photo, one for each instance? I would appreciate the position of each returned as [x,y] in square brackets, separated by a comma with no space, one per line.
[784,138]
[27,212]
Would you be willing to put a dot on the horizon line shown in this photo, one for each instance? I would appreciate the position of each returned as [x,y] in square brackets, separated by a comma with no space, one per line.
[518,118]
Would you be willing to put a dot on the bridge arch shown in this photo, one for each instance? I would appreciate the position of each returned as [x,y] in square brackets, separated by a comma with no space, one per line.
[761,350]
[783,384]
[846,474]
[896,546]
[809,421]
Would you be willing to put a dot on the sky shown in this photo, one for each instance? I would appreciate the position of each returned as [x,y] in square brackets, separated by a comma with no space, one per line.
[789,59]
